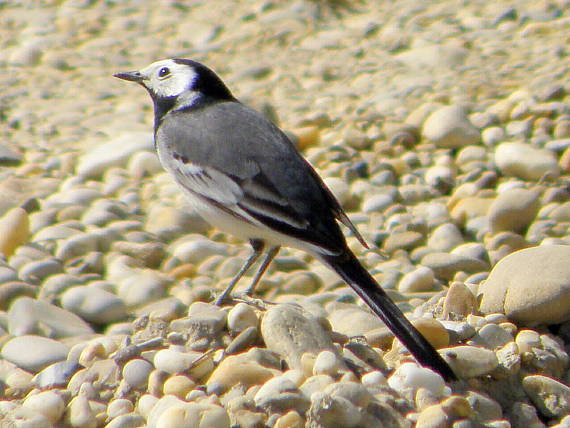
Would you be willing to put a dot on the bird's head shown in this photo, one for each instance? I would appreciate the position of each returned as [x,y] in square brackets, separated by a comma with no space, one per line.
[181,83]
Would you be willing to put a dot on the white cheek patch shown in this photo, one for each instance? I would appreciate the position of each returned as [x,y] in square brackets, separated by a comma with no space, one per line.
[180,79]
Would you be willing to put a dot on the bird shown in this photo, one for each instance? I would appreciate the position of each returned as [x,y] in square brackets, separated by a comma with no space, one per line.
[245,176]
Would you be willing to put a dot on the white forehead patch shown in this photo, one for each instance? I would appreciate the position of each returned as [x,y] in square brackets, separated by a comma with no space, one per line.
[167,78]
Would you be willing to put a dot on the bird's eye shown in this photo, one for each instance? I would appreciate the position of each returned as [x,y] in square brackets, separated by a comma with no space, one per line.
[163,72]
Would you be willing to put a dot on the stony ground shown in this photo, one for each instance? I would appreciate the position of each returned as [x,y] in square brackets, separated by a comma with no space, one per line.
[442,127]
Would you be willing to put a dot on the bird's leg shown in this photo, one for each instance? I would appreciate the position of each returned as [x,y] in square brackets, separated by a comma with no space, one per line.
[257,245]
[262,268]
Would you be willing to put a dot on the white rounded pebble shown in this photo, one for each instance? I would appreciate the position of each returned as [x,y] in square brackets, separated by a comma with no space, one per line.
[113,153]
[77,245]
[198,250]
[374,379]
[420,279]
[470,361]
[240,317]
[273,387]
[79,414]
[530,286]
[136,372]
[120,406]
[22,417]
[315,383]
[48,403]
[145,404]
[94,305]
[171,361]
[495,336]
[130,420]
[525,161]
[410,376]
[193,415]
[449,127]
[377,203]
[551,397]
[493,135]
[14,230]
[34,353]
[327,363]
[142,287]
[333,411]
[144,163]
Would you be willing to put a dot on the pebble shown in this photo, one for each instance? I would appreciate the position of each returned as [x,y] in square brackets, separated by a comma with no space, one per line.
[48,403]
[171,412]
[486,408]
[420,279]
[493,336]
[280,394]
[527,339]
[168,223]
[459,301]
[290,332]
[291,419]
[525,161]
[354,392]
[119,407]
[28,316]
[198,250]
[178,386]
[315,383]
[136,373]
[327,363]
[174,362]
[445,237]
[410,376]
[79,414]
[14,230]
[77,245]
[24,417]
[94,305]
[328,411]
[513,210]
[33,353]
[552,398]
[530,286]
[239,370]
[470,361]
[56,375]
[241,317]
[361,321]
[142,287]
[449,127]
[446,265]
[131,420]
[114,153]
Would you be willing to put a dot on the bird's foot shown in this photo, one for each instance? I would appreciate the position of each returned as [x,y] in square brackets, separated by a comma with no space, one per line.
[243,297]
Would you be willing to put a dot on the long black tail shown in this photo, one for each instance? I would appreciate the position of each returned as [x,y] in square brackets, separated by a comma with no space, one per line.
[355,275]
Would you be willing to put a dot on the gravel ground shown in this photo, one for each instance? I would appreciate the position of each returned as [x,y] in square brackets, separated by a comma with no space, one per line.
[442,127]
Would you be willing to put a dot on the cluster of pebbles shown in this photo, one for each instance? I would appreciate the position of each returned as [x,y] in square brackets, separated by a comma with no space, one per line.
[456,170]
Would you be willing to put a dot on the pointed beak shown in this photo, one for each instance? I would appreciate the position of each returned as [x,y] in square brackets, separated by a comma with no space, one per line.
[131,76]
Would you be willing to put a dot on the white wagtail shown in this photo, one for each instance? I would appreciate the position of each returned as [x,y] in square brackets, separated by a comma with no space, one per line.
[244,176]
